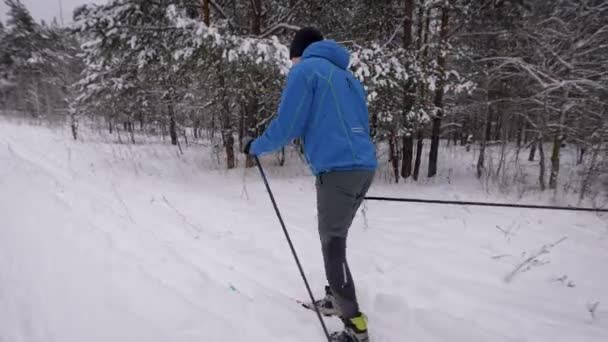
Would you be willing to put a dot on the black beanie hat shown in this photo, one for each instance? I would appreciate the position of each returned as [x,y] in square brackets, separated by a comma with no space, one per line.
[302,39]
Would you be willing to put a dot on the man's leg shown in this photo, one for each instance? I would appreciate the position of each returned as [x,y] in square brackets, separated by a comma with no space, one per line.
[339,195]
[339,276]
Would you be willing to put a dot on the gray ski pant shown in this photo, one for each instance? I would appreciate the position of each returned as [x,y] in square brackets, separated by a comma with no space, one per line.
[339,195]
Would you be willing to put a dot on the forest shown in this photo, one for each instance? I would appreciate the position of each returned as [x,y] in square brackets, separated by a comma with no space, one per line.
[517,81]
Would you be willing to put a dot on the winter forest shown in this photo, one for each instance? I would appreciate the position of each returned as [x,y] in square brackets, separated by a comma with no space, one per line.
[131,209]
[515,82]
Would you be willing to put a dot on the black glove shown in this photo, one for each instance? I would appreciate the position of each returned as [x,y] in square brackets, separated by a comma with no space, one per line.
[246,144]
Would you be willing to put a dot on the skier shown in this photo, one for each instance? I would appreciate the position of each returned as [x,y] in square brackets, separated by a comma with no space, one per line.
[325,106]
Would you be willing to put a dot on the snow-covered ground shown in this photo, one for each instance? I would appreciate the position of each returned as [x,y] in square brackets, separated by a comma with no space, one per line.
[107,242]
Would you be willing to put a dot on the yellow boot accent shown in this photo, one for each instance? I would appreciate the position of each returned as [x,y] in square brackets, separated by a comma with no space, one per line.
[359,322]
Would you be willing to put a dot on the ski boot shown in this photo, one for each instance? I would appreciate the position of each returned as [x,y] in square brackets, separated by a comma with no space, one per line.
[327,306]
[355,330]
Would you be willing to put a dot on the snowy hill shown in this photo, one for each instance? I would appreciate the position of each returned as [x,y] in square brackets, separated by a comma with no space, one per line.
[107,242]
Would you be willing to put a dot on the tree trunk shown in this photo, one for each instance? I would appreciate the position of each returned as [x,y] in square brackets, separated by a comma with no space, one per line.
[526,131]
[229,145]
[489,119]
[205,13]
[74,124]
[482,158]
[227,133]
[421,24]
[592,170]
[249,123]
[131,131]
[498,129]
[408,99]
[281,157]
[118,134]
[502,138]
[197,125]
[141,121]
[557,143]
[419,146]
[374,125]
[532,155]
[541,176]
[581,156]
[172,125]
[393,154]
[213,119]
[47,102]
[241,128]
[256,16]
[519,134]
[35,95]
[424,20]
[463,133]
[408,155]
[408,23]
[441,62]
[482,146]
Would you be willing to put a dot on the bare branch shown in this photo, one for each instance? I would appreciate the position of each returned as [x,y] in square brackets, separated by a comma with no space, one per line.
[277,27]
[286,16]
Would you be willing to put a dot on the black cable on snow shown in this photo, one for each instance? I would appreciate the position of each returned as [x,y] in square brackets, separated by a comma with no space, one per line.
[484,204]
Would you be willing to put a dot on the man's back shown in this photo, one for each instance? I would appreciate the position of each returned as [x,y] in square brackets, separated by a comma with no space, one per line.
[324,104]
[337,137]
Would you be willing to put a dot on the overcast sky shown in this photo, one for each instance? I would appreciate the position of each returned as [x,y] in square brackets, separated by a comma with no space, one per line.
[47,9]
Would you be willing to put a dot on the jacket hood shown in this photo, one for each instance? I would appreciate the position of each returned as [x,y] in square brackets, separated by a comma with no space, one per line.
[330,50]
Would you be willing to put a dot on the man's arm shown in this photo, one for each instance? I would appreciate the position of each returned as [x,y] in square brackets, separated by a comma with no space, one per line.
[292,117]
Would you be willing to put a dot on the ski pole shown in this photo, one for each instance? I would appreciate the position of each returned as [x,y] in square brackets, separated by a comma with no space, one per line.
[293,250]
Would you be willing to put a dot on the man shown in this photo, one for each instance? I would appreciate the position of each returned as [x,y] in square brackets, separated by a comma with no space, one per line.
[325,106]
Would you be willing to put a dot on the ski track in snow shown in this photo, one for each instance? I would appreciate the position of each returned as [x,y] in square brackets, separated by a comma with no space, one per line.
[110,242]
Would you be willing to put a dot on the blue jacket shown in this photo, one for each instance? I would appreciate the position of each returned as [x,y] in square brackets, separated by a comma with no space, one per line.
[325,106]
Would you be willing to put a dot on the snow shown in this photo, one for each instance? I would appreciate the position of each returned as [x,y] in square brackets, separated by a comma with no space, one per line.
[243,48]
[101,241]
